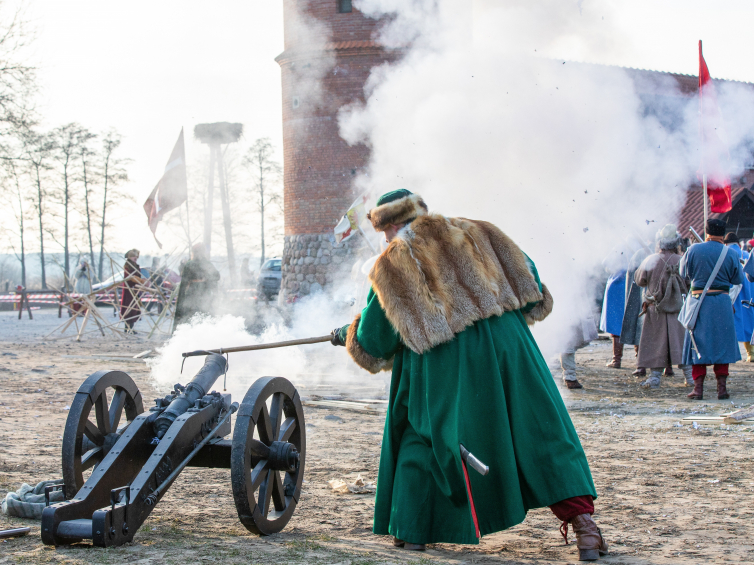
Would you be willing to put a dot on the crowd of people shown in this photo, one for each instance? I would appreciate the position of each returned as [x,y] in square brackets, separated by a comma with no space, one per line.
[686,305]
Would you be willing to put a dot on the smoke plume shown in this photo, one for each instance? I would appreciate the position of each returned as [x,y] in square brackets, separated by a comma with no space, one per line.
[572,160]
[575,161]
[306,366]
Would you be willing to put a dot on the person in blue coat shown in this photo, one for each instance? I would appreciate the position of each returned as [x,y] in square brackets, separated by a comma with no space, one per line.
[742,316]
[614,302]
[715,331]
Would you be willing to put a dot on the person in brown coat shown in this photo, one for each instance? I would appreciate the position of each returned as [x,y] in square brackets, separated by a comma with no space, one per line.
[662,335]
[130,310]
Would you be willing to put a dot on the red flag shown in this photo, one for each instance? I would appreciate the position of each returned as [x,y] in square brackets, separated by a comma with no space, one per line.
[715,158]
[171,191]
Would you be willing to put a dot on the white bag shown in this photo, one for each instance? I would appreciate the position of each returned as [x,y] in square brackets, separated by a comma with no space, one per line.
[690,310]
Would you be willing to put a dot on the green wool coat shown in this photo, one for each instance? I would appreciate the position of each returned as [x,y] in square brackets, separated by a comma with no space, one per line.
[488,388]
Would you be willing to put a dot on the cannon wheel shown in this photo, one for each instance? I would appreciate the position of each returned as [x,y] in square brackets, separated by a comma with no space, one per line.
[86,441]
[265,502]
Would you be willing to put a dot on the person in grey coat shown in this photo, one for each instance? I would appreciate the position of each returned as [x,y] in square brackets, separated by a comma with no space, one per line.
[582,333]
[715,331]
[83,278]
[662,334]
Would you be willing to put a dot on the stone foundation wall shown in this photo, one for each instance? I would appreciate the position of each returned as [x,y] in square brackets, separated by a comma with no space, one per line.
[312,262]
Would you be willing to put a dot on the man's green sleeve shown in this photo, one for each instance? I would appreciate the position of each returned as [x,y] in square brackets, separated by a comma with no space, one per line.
[533,269]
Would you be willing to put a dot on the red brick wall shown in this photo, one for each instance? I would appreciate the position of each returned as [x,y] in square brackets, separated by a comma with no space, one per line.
[319,167]
[351,26]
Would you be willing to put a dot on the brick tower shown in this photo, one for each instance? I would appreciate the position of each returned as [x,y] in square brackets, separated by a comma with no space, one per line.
[323,69]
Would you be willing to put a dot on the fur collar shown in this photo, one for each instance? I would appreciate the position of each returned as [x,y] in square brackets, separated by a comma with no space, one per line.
[443,274]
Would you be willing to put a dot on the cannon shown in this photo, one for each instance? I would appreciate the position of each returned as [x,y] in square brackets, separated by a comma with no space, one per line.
[119,460]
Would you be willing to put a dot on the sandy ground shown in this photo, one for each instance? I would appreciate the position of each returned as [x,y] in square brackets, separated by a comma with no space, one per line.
[668,493]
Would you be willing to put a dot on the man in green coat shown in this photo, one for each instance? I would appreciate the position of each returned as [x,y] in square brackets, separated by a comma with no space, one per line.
[448,312]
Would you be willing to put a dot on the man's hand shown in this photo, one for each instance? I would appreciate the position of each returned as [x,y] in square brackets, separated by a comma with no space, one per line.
[335,337]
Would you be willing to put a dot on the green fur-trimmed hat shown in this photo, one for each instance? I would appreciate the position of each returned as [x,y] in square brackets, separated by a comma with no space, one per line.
[396,207]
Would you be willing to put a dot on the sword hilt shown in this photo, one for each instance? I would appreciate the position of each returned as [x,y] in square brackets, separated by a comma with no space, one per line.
[473,462]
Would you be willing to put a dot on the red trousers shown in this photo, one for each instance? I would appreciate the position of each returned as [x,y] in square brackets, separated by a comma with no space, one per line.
[566,510]
[721,370]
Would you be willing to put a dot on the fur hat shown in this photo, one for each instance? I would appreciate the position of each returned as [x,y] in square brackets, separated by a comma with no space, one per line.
[668,232]
[716,227]
[730,237]
[668,237]
[396,207]
[198,251]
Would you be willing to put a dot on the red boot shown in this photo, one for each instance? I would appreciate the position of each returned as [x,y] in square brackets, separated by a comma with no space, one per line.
[698,392]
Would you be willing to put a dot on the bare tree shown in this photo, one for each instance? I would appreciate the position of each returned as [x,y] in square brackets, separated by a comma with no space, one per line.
[17,77]
[38,151]
[265,174]
[88,178]
[68,139]
[113,174]
[13,188]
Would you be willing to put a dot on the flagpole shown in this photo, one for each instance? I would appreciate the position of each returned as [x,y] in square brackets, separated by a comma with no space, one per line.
[369,243]
[701,135]
[706,199]
[188,223]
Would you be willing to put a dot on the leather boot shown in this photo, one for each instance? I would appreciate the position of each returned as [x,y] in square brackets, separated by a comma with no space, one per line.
[722,390]
[588,538]
[698,392]
[654,379]
[410,546]
[617,353]
[668,372]
[687,374]
[640,372]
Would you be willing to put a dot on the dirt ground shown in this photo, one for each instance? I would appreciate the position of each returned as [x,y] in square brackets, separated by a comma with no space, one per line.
[669,493]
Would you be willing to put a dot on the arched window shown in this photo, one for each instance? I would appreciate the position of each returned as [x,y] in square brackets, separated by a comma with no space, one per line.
[345,6]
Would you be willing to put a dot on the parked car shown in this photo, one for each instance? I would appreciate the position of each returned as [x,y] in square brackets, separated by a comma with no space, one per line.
[270,277]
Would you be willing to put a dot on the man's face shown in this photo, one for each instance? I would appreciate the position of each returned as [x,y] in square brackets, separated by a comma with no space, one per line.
[392,231]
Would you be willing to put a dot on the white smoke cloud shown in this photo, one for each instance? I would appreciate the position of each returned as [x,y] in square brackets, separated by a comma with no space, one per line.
[304,35]
[307,365]
[483,120]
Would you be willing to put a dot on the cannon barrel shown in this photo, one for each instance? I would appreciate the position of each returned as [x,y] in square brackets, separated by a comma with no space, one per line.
[214,366]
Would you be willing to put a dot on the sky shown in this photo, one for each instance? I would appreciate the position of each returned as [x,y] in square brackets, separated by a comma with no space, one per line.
[150,68]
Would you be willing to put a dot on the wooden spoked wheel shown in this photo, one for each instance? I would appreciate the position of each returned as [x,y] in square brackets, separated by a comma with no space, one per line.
[90,434]
[267,470]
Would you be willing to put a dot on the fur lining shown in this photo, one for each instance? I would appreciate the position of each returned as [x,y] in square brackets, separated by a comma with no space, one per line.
[397,212]
[541,310]
[443,274]
[357,353]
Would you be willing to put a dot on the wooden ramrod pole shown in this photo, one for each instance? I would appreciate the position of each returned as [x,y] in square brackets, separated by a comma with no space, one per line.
[221,351]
